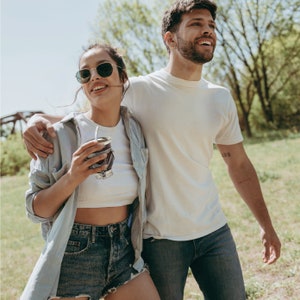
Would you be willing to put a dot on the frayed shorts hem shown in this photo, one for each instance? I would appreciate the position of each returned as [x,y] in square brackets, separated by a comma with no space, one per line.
[133,276]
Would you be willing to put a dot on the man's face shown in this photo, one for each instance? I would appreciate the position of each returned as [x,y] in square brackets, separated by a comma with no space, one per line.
[196,37]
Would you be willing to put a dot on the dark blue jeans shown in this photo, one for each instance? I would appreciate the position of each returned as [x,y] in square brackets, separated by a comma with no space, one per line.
[213,260]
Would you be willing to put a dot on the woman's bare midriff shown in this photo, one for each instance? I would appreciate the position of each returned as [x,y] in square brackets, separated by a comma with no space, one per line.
[101,216]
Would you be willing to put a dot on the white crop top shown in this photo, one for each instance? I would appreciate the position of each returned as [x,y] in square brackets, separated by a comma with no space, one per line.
[122,187]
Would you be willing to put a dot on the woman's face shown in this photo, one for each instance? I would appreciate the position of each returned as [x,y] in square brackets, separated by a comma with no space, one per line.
[101,91]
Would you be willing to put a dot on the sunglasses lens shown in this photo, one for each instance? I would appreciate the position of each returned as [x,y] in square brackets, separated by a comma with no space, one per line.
[105,70]
[83,76]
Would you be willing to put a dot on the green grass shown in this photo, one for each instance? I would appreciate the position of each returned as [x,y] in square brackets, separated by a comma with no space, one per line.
[278,165]
[21,241]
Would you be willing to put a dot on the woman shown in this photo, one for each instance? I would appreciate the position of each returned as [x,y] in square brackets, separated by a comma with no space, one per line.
[92,227]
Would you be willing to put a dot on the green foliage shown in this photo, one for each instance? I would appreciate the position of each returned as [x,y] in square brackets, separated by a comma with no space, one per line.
[5,130]
[254,290]
[259,59]
[283,60]
[257,55]
[14,157]
[136,32]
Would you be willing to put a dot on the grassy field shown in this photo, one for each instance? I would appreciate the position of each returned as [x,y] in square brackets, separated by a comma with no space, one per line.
[278,166]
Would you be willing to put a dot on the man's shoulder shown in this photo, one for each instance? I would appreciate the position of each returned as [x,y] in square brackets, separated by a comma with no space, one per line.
[212,85]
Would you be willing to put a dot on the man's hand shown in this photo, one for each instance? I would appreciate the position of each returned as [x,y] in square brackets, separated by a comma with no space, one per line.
[271,245]
[35,144]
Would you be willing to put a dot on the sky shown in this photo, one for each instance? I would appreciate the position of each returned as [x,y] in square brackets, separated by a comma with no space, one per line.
[41,42]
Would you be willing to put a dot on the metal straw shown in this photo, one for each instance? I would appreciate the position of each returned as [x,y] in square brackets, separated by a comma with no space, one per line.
[96,132]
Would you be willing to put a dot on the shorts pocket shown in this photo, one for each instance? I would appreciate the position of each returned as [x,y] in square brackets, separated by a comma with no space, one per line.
[77,245]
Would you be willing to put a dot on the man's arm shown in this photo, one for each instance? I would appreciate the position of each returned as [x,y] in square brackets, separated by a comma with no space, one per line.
[245,180]
[33,139]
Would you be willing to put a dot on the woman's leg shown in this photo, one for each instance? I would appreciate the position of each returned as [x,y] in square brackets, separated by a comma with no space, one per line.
[141,287]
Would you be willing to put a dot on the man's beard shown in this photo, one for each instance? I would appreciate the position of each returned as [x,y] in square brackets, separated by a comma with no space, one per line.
[189,51]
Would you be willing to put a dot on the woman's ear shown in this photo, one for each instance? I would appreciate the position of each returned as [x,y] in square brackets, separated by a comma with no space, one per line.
[124,76]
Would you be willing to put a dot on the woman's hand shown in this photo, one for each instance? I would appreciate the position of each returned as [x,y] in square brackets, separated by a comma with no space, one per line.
[81,165]
[48,201]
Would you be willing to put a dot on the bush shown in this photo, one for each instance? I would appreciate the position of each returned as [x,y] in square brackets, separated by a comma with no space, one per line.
[14,157]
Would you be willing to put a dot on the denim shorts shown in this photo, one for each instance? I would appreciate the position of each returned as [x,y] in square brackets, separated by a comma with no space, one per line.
[97,260]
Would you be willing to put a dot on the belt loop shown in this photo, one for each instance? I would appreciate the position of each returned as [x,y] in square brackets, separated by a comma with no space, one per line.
[93,234]
[110,230]
[113,230]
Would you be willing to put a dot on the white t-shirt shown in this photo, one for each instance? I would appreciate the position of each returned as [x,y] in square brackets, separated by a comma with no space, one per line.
[122,187]
[181,120]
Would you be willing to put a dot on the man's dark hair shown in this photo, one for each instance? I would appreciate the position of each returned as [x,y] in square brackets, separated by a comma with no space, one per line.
[172,16]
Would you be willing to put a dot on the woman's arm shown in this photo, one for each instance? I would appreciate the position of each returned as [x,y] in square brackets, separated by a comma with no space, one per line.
[48,201]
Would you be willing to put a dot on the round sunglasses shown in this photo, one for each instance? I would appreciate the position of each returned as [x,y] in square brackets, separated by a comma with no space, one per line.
[104,70]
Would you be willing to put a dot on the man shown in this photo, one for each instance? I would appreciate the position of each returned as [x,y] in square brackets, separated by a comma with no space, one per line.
[182,116]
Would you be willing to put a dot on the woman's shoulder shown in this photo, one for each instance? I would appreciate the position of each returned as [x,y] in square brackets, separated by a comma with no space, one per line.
[65,131]
[127,116]
[66,124]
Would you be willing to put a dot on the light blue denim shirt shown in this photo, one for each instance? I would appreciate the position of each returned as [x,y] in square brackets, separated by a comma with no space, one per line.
[56,231]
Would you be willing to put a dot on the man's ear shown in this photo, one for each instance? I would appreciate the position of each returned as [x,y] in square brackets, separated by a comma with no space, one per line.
[170,39]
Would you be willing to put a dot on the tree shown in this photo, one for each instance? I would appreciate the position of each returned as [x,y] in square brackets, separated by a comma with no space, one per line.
[285,88]
[134,27]
[246,31]
[244,61]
